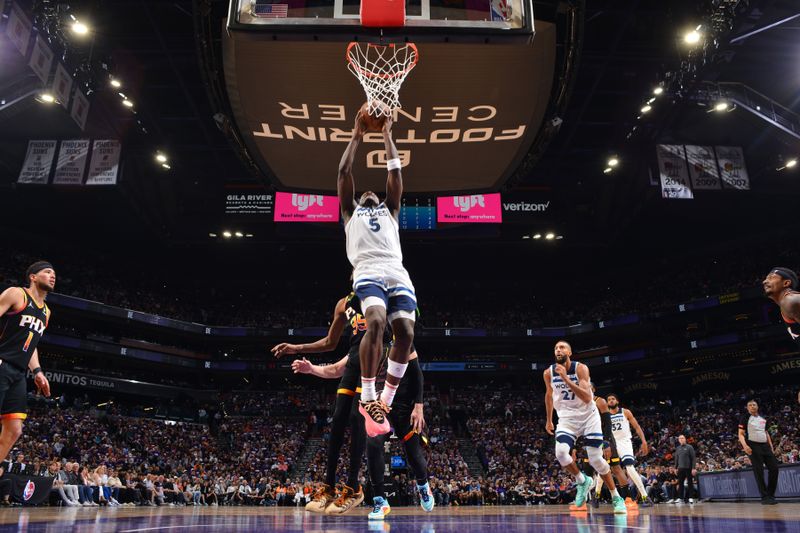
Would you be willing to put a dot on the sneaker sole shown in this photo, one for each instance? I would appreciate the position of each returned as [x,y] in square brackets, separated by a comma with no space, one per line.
[385,514]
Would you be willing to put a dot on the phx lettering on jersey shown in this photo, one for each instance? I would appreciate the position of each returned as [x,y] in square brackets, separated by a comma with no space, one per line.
[32,323]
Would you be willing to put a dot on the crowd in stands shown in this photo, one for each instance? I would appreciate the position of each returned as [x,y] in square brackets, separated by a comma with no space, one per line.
[101,457]
[480,305]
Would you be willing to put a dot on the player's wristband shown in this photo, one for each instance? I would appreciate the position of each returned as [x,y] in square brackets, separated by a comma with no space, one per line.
[36,370]
[394,164]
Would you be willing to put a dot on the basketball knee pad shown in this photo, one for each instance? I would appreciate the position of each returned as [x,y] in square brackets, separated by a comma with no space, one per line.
[563,455]
[597,460]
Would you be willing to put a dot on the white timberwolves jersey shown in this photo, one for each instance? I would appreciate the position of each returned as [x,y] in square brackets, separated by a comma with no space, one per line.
[373,235]
[565,402]
[620,426]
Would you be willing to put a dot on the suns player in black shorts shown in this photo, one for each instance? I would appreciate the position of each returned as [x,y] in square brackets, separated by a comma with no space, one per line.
[347,313]
[407,421]
[24,315]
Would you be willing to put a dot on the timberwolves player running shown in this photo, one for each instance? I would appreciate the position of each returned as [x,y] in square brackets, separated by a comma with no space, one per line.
[407,420]
[347,311]
[23,319]
[380,280]
[621,422]
[569,392]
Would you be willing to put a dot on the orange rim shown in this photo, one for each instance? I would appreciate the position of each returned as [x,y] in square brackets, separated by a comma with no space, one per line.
[370,74]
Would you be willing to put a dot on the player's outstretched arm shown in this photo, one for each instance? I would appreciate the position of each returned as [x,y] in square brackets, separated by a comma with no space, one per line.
[345,185]
[394,180]
[334,371]
[325,344]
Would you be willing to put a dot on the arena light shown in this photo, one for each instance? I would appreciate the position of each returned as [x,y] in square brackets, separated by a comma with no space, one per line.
[115,83]
[646,109]
[653,99]
[694,36]
[658,90]
[165,166]
[79,28]
[227,234]
[127,103]
[160,157]
[212,235]
[559,237]
[613,161]
[248,235]
[790,163]
[607,170]
[46,98]
[526,237]
[239,234]
[721,106]
[537,236]
[550,236]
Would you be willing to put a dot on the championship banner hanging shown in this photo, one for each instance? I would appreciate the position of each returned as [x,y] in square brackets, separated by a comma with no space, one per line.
[62,85]
[41,59]
[731,167]
[703,167]
[19,29]
[80,109]
[71,162]
[38,161]
[673,172]
[104,168]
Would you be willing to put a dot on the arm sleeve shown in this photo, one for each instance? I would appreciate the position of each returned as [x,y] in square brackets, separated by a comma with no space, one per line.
[416,380]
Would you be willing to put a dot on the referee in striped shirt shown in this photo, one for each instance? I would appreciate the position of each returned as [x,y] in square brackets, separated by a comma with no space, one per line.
[757,444]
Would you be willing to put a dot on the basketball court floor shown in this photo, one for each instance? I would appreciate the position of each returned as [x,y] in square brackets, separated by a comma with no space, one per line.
[701,518]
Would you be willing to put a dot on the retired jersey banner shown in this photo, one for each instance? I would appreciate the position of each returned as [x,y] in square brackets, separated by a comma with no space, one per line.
[38,161]
[293,207]
[62,85]
[473,208]
[80,109]
[18,29]
[41,59]
[104,168]
[673,173]
[731,167]
[71,162]
[703,167]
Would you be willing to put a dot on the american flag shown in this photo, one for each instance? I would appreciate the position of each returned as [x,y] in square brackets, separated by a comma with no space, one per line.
[271,11]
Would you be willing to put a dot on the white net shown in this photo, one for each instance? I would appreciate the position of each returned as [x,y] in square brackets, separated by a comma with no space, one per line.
[381,70]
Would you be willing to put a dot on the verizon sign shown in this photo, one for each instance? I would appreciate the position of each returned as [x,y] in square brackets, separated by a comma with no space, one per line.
[470,111]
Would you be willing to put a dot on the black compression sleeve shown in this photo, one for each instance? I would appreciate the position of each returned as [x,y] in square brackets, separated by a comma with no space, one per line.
[416,380]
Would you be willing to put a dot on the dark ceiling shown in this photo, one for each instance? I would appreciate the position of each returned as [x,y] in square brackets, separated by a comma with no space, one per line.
[628,47]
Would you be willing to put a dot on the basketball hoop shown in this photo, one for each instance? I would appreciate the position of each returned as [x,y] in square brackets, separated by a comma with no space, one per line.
[381,70]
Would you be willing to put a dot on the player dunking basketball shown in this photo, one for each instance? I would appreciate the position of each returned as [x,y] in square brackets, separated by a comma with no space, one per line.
[23,318]
[569,393]
[379,279]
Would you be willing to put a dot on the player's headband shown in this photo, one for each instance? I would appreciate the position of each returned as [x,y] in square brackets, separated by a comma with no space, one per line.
[41,265]
[786,273]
